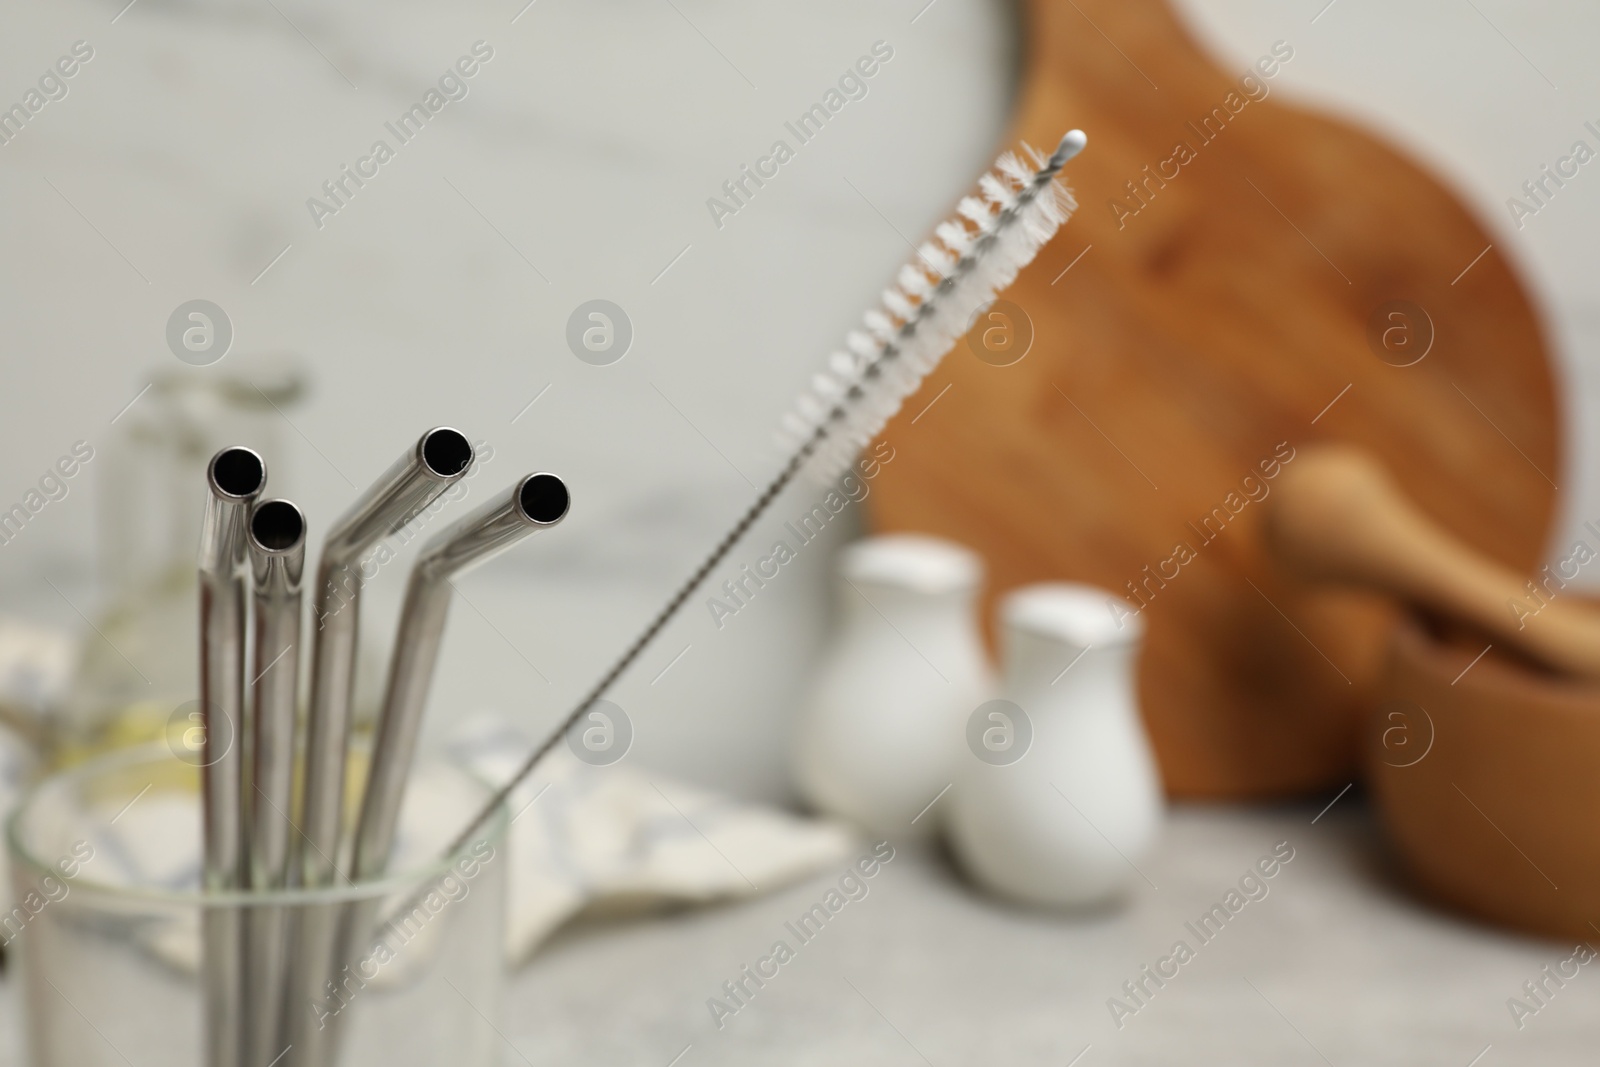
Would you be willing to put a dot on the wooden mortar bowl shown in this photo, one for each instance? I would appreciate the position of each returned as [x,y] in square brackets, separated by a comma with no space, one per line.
[1488,783]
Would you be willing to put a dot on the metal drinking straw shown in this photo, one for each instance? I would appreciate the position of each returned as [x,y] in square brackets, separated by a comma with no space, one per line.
[235,477]
[536,502]
[440,457]
[277,541]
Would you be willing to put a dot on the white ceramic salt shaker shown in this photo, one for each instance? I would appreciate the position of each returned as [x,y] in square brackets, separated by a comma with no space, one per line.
[881,730]
[1059,803]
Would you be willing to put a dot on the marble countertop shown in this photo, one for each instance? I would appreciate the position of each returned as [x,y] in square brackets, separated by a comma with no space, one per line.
[1335,963]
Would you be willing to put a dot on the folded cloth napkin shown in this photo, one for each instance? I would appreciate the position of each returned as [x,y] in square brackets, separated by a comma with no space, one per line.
[620,837]
[606,839]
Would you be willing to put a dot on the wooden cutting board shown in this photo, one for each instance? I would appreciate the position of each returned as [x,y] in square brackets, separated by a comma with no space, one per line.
[1185,341]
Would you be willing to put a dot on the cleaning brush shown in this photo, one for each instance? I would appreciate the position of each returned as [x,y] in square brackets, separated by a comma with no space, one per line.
[971,258]
[930,307]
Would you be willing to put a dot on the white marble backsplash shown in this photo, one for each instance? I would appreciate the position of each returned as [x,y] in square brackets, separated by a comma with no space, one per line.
[577,166]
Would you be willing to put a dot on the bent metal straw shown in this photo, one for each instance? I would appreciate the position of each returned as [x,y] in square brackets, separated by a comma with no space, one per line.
[536,502]
[439,458]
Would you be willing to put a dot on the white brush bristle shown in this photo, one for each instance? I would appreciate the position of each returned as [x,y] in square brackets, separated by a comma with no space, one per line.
[972,257]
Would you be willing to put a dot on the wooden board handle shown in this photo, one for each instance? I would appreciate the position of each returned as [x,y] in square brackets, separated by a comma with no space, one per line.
[1337,516]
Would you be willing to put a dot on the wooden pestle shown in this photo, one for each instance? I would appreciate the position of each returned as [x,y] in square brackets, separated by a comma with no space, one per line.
[1337,516]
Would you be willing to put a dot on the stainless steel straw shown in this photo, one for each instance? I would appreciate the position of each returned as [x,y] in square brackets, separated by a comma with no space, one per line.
[440,457]
[235,477]
[536,502]
[277,564]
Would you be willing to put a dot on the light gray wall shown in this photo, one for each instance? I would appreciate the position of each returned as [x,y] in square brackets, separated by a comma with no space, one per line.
[179,165]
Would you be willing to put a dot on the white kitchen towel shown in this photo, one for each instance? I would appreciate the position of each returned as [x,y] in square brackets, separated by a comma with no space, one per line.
[603,839]
[623,838]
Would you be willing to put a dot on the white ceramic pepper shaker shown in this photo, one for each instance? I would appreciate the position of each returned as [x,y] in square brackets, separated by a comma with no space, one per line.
[1058,800]
[881,730]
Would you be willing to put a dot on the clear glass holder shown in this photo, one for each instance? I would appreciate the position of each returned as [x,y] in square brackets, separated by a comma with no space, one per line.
[108,920]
